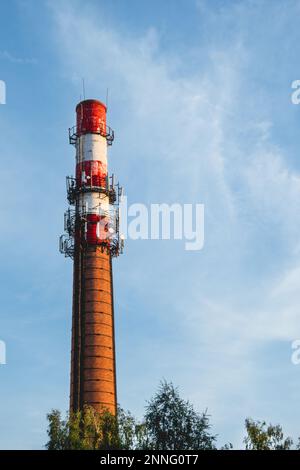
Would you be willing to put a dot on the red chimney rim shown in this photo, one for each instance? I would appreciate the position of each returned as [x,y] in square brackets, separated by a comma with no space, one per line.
[82,103]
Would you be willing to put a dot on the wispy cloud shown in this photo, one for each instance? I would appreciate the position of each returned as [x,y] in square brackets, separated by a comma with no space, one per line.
[5,55]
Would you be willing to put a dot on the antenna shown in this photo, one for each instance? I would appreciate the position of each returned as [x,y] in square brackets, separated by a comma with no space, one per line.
[106,98]
[83,88]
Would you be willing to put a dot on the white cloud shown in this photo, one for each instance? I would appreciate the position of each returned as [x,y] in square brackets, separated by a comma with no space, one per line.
[5,55]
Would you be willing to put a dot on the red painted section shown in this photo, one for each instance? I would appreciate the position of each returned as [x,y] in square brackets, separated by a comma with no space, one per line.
[91,117]
[91,234]
[91,173]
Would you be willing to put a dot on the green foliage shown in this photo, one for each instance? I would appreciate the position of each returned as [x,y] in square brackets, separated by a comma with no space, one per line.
[227,446]
[131,433]
[172,423]
[261,436]
[169,423]
[85,430]
[56,431]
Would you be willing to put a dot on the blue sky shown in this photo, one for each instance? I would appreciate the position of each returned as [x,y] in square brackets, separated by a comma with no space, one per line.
[200,99]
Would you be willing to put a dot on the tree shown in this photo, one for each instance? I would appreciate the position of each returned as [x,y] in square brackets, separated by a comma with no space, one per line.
[86,430]
[261,436]
[131,433]
[56,431]
[172,423]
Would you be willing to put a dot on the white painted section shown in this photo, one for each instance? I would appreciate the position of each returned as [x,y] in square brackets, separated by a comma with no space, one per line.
[91,147]
[94,203]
